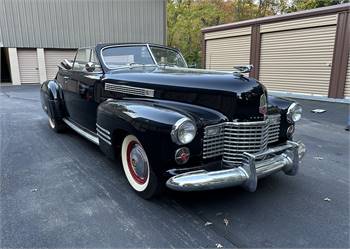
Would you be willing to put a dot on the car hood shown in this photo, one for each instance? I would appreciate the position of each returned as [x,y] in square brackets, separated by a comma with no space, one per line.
[232,94]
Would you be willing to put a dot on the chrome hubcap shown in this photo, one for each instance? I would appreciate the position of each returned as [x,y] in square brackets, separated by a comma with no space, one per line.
[138,163]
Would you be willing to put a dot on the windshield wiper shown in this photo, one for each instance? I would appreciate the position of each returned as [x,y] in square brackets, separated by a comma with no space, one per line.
[134,65]
[167,64]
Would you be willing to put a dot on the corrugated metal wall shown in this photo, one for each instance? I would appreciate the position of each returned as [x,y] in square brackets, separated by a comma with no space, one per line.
[347,82]
[298,60]
[77,23]
[300,23]
[226,49]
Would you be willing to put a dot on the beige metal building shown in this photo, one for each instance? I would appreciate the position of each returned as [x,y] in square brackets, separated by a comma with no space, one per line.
[36,35]
[305,52]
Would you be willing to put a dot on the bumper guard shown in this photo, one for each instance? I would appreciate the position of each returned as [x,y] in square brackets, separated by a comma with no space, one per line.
[285,157]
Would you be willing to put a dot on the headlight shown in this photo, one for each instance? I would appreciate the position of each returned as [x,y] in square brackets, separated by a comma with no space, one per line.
[184,131]
[294,112]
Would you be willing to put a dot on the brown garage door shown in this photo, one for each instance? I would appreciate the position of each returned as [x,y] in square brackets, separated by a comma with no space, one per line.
[225,53]
[298,60]
[28,65]
[53,57]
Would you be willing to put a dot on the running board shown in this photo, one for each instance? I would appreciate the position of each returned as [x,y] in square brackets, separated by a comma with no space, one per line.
[91,137]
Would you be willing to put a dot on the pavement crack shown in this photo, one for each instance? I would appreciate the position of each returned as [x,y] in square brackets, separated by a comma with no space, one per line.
[19,98]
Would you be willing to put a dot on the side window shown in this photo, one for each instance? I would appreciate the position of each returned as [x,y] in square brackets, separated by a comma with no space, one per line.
[83,57]
[94,60]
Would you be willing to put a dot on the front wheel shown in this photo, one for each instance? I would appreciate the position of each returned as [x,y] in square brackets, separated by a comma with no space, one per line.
[137,168]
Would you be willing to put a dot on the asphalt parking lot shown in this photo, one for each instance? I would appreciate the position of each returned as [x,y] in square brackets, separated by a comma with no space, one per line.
[59,190]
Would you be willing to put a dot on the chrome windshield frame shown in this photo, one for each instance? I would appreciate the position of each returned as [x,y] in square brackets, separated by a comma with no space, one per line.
[125,45]
[172,49]
[150,51]
[147,45]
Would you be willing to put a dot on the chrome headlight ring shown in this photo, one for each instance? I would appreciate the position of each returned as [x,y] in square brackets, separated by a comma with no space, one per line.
[294,112]
[183,131]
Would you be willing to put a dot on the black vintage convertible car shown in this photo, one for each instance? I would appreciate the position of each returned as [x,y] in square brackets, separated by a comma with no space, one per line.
[188,129]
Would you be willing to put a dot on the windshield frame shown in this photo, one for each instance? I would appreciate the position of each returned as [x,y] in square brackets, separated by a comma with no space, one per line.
[139,45]
[169,48]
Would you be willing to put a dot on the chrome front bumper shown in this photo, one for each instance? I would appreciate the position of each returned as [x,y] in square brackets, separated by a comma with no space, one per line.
[285,157]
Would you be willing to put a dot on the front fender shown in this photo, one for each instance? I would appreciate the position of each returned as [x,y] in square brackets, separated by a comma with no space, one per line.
[280,105]
[151,122]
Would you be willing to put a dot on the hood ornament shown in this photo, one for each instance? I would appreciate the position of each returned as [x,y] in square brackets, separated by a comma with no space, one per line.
[244,69]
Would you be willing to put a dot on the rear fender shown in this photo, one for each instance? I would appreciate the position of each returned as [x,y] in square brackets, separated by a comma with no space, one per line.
[52,100]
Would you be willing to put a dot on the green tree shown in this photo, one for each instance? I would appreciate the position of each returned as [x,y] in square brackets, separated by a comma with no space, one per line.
[186,18]
[312,4]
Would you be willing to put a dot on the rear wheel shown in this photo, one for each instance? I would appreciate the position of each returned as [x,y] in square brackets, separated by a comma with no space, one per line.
[137,168]
[56,125]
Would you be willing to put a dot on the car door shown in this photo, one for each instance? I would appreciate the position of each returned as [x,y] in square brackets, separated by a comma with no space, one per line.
[63,78]
[82,98]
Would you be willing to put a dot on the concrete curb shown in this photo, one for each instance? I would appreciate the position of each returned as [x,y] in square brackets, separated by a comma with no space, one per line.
[309,96]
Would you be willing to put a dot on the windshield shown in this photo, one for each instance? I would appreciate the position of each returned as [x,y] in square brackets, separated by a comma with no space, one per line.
[120,56]
[139,55]
[168,57]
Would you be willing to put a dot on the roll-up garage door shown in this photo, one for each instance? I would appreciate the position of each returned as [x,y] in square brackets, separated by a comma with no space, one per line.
[225,53]
[347,82]
[53,57]
[28,65]
[298,60]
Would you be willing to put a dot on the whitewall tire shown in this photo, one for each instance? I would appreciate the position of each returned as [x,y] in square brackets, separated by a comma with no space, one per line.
[137,168]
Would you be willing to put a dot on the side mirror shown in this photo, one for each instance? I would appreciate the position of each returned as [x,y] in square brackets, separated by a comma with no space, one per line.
[90,67]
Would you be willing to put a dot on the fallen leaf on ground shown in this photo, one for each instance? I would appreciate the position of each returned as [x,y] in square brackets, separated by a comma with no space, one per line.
[318,158]
[226,221]
[327,199]
[218,245]
[318,111]
[208,223]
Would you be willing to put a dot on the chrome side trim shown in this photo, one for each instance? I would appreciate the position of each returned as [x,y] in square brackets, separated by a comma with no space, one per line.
[103,129]
[129,90]
[103,134]
[104,139]
[85,134]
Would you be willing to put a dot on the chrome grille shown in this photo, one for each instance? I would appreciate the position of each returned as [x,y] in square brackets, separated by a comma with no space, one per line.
[231,139]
